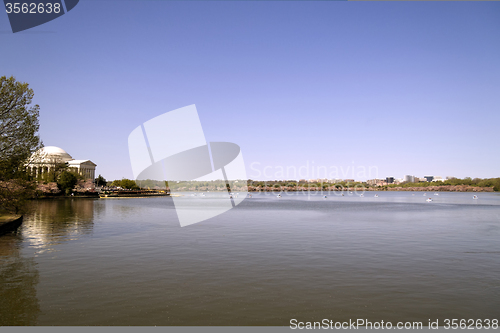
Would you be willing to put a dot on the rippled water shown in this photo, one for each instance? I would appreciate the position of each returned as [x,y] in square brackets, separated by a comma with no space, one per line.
[128,262]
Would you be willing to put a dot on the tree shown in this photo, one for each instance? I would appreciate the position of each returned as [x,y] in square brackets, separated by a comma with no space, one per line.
[126,183]
[67,181]
[129,184]
[56,167]
[100,181]
[15,195]
[18,127]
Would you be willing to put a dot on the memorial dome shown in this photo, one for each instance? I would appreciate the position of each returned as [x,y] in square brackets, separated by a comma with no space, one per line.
[51,153]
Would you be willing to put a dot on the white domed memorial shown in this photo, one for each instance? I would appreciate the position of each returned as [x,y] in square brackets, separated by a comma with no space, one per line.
[47,159]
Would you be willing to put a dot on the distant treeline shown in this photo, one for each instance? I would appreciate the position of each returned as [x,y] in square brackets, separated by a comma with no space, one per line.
[293,184]
[480,182]
[217,185]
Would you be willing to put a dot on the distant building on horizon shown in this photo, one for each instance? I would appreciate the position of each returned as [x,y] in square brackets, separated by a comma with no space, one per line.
[376,182]
[429,178]
[409,178]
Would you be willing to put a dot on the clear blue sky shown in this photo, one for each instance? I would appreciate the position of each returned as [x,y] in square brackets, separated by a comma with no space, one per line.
[408,87]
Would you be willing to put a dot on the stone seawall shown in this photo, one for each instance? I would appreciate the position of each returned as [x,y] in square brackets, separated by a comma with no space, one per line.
[8,224]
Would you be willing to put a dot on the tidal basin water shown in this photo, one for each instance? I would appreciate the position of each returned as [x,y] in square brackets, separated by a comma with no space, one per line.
[128,262]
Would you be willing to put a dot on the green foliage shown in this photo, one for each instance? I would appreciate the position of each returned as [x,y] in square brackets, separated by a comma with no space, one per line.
[67,181]
[18,140]
[100,181]
[292,185]
[202,186]
[126,183]
[15,195]
[487,182]
[18,127]
[151,184]
[55,170]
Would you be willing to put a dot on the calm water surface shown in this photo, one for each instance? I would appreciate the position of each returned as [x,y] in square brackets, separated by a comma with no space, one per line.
[128,262]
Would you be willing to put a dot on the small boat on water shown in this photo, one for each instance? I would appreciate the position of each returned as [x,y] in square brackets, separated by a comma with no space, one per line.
[436,193]
[474,197]
[324,196]
[278,196]
[361,195]
[425,194]
[135,193]
[376,195]
[429,200]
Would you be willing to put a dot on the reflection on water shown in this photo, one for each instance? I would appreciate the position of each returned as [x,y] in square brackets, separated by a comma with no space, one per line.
[18,279]
[50,223]
[55,221]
